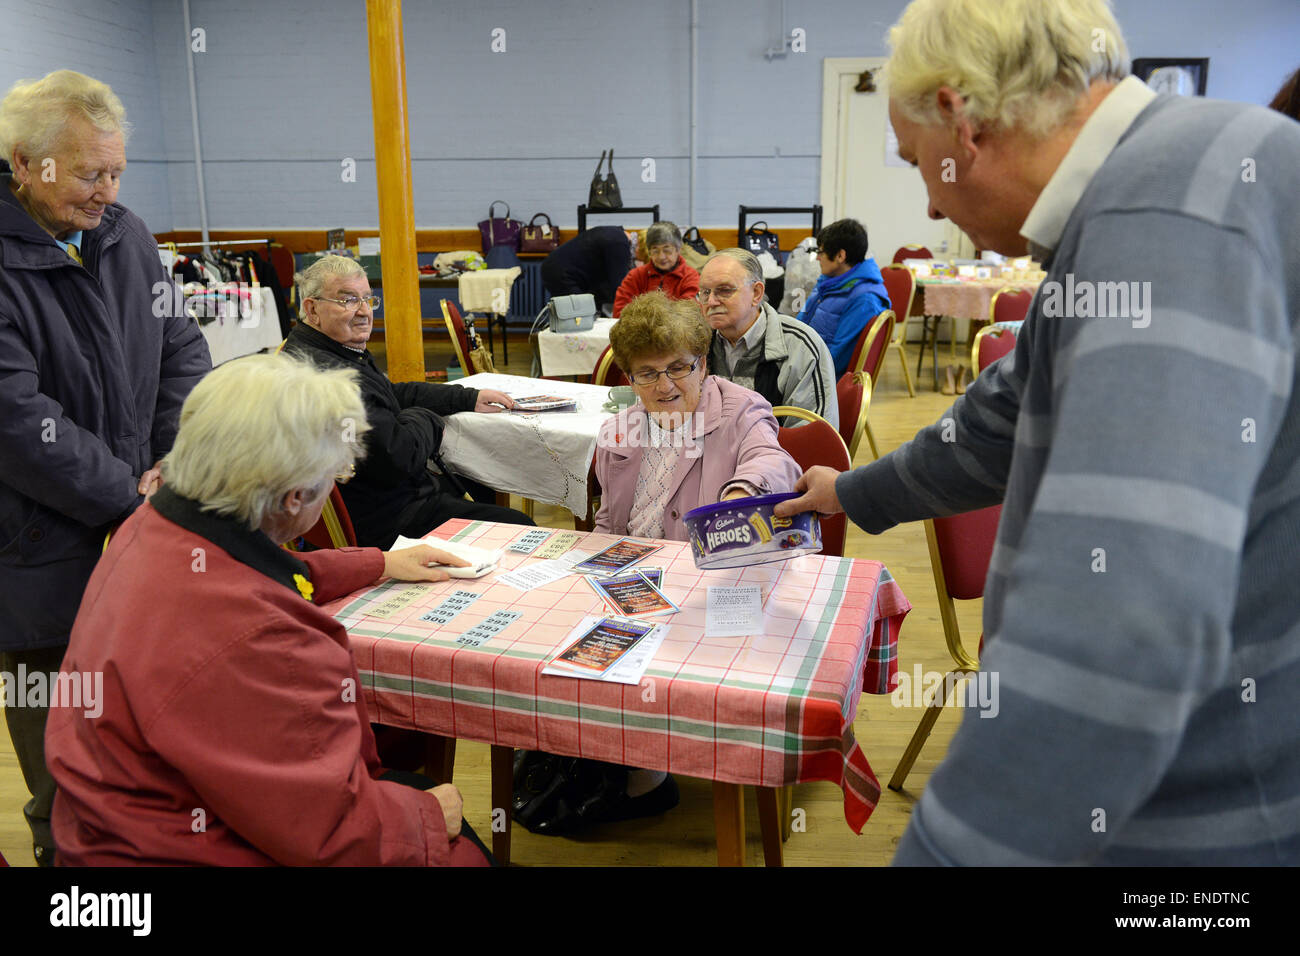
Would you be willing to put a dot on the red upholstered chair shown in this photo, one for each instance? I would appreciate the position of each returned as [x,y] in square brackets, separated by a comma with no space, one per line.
[912,252]
[817,443]
[854,395]
[901,286]
[1010,304]
[2,860]
[608,373]
[991,343]
[869,357]
[460,337]
[334,528]
[960,549]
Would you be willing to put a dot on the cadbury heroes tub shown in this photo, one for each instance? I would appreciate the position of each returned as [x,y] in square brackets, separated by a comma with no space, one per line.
[744,531]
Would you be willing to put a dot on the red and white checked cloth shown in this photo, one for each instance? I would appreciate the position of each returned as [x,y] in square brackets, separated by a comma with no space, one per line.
[766,710]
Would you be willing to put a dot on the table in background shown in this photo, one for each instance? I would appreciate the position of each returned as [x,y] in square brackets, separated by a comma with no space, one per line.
[765,711]
[545,456]
[230,337]
[961,299]
[573,353]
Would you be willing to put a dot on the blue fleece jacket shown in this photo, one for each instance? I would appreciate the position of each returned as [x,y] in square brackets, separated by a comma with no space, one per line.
[841,306]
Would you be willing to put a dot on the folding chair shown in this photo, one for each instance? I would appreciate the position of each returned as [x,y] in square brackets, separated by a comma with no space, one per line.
[960,549]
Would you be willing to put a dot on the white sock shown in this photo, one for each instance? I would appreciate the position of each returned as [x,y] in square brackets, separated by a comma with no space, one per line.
[643,781]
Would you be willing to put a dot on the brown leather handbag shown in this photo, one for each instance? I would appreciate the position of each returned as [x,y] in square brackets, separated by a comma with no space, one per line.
[535,238]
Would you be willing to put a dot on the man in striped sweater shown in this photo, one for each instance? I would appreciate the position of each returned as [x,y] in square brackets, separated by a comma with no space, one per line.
[1141,607]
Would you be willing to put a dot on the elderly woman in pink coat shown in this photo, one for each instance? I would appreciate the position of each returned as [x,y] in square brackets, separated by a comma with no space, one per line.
[692,438]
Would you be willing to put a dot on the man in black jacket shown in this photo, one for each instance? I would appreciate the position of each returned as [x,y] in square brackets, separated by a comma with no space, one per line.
[394,491]
[594,261]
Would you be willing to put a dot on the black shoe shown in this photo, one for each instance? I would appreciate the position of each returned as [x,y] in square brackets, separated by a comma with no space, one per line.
[44,854]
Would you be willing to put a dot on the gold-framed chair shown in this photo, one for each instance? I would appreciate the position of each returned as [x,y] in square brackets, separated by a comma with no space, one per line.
[853,391]
[991,343]
[817,443]
[901,286]
[961,547]
[869,358]
[607,373]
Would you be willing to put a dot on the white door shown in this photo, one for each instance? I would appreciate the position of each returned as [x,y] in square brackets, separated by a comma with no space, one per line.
[857,182]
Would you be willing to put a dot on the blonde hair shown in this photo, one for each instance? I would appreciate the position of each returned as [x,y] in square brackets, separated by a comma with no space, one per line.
[1016,63]
[34,113]
[260,427]
[311,281]
[653,324]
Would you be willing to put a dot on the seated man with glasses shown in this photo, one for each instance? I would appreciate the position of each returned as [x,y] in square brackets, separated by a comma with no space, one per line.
[755,346]
[394,491]
[691,439]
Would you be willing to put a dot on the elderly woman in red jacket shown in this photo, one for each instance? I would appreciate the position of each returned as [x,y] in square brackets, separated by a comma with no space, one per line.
[666,270]
[229,728]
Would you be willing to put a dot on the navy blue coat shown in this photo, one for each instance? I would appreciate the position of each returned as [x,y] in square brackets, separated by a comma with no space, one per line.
[92,377]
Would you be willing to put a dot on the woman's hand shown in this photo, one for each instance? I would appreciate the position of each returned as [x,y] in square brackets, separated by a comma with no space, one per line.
[413,564]
[449,799]
[735,493]
[490,400]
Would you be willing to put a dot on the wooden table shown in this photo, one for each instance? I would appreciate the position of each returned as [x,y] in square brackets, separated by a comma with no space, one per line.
[766,710]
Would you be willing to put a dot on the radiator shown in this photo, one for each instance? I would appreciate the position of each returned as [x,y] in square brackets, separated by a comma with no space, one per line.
[528,295]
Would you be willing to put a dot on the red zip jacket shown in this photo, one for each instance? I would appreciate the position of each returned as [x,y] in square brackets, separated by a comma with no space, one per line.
[681,282]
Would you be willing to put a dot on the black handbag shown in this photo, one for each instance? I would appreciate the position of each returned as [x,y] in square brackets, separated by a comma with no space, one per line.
[692,238]
[558,795]
[763,240]
[604,192]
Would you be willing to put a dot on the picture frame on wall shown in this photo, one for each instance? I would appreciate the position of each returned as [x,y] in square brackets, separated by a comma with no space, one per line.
[1181,76]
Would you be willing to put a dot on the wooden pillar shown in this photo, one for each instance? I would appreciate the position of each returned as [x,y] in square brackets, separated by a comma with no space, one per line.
[401,281]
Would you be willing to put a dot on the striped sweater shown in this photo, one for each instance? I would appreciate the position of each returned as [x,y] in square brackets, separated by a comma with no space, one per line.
[1142,609]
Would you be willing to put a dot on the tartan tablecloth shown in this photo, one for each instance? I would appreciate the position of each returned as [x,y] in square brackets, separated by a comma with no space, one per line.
[767,710]
[966,298]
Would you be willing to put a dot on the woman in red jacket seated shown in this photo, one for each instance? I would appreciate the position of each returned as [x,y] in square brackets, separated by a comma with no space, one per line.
[227,725]
[666,270]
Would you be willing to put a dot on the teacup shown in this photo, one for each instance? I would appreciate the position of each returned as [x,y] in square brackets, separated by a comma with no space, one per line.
[622,396]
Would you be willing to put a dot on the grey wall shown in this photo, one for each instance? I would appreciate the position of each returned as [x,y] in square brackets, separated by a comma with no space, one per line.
[284,96]
[111,40]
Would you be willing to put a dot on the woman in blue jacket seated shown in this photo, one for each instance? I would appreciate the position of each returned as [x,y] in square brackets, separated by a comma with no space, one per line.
[850,292]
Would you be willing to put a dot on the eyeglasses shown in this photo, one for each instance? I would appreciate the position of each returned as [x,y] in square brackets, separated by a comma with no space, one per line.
[343,477]
[674,372]
[352,302]
[722,293]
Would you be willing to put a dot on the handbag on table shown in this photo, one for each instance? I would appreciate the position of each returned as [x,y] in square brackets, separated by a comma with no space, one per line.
[762,240]
[605,193]
[498,231]
[535,238]
[572,313]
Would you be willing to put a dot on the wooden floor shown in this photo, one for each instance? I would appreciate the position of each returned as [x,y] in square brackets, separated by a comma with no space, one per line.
[684,837]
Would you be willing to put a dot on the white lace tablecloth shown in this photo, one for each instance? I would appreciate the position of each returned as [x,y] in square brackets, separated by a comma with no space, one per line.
[543,455]
[575,353]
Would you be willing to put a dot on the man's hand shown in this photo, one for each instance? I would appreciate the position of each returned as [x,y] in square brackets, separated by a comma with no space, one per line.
[490,400]
[151,481]
[818,489]
[449,799]
[412,564]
